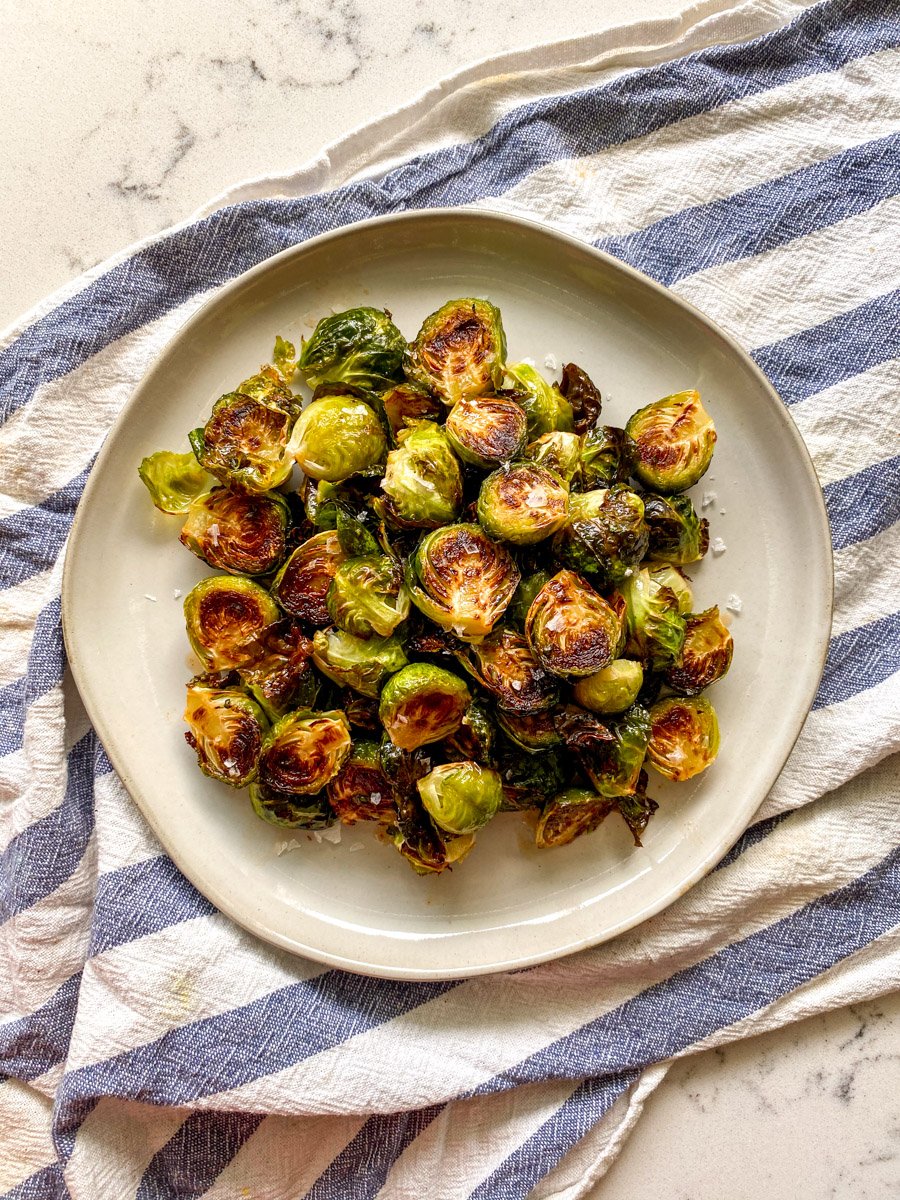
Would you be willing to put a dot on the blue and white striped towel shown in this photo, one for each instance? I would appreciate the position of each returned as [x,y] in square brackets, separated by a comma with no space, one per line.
[150,1048]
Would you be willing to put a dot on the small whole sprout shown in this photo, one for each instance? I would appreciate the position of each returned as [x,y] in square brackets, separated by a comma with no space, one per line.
[605,535]
[569,815]
[225,729]
[608,456]
[674,579]
[239,532]
[614,766]
[303,751]
[558,451]
[570,629]
[277,672]
[406,403]
[421,704]
[302,584]
[684,737]
[611,690]
[583,395]
[656,627]
[504,665]
[545,407]
[706,656]
[367,596]
[174,481]
[462,580]
[677,534]
[528,588]
[675,438]
[290,811]
[535,732]
[486,430]
[361,791]
[361,347]
[459,351]
[359,663]
[338,436]
[522,503]
[461,797]
[422,481]
[224,615]
[245,443]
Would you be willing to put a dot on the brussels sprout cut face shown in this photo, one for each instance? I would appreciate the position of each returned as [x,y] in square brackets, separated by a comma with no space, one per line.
[277,671]
[288,811]
[655,625]
[224,617]
[486,430]
[303,751]
[422,704]
[684,737]
[461,797]
[570,629]
[522,503]
[359,663]
[336,437]
[558,451]
[675,439]
[466,580]
[238,532]
[605,535]
[244,443]
[361,346]
[459,351]
[361,791]
[569,815]
[302,584]
[504,665]
[611,690]
[367,596]
[706,656]
[677,583]
[174,481]
[677,534]
[423,481]
[226,730]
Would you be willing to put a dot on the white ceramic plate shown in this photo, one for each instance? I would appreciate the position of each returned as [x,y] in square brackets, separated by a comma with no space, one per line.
[357,904]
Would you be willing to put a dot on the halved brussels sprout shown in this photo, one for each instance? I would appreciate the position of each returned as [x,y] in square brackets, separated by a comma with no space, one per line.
[225,615]
[226,730]
[558,451]
[611,690]
[238,532]
[301,586]
[486,430]
[655,624]
[361,791]
[675,438]
[503,663]
[368,596]
[583,395]
[677,534]
[530,780]
[422,704]
[522,503]
[545,407]
[684,737]
[569,815]
[614,766]
[476,737]
[525,594]
[361,346]
[570,629]
[428,850]
[607,456]
[534,732]
[360,663]
[406,403]
[277,672]
[338,436]
[677,582]
[245,443]
[706,656]
[466,580]
[303,751]
[174,481]
[461,797]
[422,480]
[605,535]
[289,811]
[459,351]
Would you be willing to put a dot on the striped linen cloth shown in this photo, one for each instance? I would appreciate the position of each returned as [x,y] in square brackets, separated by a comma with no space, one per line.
[150,1048]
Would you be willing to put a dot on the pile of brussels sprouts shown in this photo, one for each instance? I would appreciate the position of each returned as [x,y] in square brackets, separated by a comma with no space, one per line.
[474,603]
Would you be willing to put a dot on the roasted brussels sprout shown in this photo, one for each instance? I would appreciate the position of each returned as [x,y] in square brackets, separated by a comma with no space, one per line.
[605,535]
[422,480]
[238,532]
[476,737]
[522,503]
[675,438]
[462,580]
[608,456]
[530,780]
[290,811]
[225,615]
[545,407]
[245,443]
[174,481]
[558,451]
[486,430]
[368,596]
[428,850]
[677,534]
[674,579]
[338,436]
[459,351]
[655,624]
[706,656]
[461,797]
[637,809]
[361,346]
[611,690]
[525,593]
[684,737]
[226,730]
[277,671]
[303,751]
[360,663]
[301,586]
[570,629]
[406,403]
[569,815]
[582,394]
[613,766]
[361,791]
[270,383]
[534,732]
[504,665]
[422,704]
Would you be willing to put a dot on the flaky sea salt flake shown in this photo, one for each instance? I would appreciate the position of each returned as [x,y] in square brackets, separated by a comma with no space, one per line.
[709,499]
[735,603]
[332,834]
[718,547]
[147,596]
[550,362]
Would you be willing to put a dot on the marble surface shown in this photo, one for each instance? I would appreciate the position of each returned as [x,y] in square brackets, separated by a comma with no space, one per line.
[124,116]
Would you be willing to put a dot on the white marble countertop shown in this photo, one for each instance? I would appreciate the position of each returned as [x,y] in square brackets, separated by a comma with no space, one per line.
[124,116]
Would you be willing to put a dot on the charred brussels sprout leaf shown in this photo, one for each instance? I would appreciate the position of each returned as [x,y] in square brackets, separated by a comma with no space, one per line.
[422,704]
[530,780]
[637,809]
[239,532]
[224,617]
[361,791]
[558,451]
[684,737]
[367,596]
[582,394]
[226,730]
[270,386]
[462,580]
[336,437]
[534,732]
[570,629]
[290,811]
[244,443]
[360,663]
[476,737]
[355,538]
[569,815]
[677,534]
[613,767]
[277,671]
[302,584]
[459,351]
[611,690]
[605,535]
[708,647]
[423,481]
[461,797]
[676,581]
[361,346]
[675,439]
[174,481]
[427,849]
[525,594]
[545,407]
[406,403]
[607,457]
[284,358]
[486,430]
[303,751]
[504,665]
[656,627]
[522,503]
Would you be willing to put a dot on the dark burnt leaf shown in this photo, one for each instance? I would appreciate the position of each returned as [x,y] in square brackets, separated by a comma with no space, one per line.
[637,809]
[583,395]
